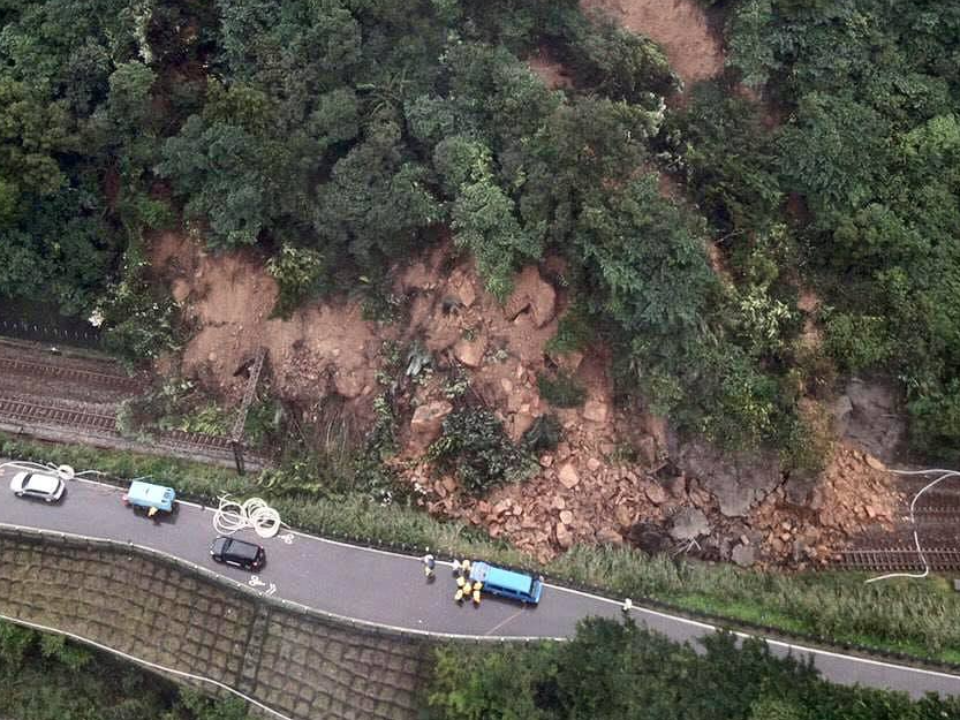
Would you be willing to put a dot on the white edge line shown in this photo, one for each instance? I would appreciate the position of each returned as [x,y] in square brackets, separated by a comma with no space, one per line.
[649,611]
[146,663]
[768,640]
[343,619]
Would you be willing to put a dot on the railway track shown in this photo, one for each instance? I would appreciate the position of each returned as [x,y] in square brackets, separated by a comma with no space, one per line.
[28,412]
[62,372]
[48,414]
[900,558]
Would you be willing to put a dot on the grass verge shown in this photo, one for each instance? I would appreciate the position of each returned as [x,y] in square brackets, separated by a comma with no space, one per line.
[917,619]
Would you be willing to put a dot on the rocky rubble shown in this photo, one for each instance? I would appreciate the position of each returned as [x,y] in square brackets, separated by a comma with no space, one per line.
[610,480]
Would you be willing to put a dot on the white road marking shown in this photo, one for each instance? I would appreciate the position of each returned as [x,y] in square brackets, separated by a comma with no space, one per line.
[560,588]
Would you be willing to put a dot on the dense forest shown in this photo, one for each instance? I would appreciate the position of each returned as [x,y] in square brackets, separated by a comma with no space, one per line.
[342,136]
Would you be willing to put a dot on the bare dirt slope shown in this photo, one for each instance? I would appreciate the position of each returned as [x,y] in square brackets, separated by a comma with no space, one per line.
[680,26]
[616,473]
[229,297]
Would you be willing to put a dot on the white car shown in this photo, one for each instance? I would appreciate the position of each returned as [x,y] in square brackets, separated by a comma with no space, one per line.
[35,485]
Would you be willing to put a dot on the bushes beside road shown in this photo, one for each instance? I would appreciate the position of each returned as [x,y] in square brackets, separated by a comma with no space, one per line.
[619,671]
[917,618]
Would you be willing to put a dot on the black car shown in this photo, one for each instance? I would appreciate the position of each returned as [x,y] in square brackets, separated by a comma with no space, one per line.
[239,553]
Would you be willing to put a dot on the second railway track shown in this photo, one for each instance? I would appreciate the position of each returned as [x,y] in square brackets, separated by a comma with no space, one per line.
[50,414]
[900,558]
[36,369]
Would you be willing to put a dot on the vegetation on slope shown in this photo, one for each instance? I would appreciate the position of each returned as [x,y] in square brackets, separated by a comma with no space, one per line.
[339,138]
[869,153]
[618,671]
[45,677]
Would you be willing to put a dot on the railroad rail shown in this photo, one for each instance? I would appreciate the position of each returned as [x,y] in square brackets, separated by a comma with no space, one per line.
[61,372]
[28,412]
[47,414]
[900,558]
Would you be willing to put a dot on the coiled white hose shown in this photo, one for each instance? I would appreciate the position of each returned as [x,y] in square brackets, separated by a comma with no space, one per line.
[944,475]
[254,513]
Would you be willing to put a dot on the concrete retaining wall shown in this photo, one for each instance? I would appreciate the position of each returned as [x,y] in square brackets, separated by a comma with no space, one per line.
[298,663]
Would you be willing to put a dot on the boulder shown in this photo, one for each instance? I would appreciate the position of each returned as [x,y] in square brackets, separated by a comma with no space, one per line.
[609,536]
[798,488]
[736,480]
[655,493]
[649,537]
[531,292]
[427,422]
[647,450]
[466,292]
[689,524]
[564,536]
[470,352]
[677,486]
[595,411]
[349,384]
[873,422]
[568,475]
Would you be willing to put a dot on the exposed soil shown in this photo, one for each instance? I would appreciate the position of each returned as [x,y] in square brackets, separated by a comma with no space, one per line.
[611,479]
[694,50]
[229,297]
[553,74]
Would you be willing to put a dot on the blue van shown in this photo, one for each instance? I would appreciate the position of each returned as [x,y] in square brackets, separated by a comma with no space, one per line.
[150,498]
[507,583]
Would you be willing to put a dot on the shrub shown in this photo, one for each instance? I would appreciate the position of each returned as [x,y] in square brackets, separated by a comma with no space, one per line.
[562,390]
[475,447]
[613,670]
[299,273]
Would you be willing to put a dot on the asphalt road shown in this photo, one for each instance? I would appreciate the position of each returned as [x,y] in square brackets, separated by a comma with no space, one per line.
[390,590]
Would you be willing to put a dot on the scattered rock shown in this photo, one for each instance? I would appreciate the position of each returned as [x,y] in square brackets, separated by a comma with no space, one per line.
[466,292]
[470,352]
[593,464]
[569,361]
[744,555]
[609,536]
[736,480]
[566,517]
[875,463]
[531,292]
[349,384]
[677,486]
[546,461]
[656,494]
[649,537]
[427,422]
[568,475]
[624,516]
[798,489]
[564,536]
[689,524]
[647,450]
[595,411]
[559,503]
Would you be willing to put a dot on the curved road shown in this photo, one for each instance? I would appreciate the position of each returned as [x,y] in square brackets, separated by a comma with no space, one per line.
[388,589]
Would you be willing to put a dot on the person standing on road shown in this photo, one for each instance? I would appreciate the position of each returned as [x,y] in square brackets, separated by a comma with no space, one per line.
[429,564]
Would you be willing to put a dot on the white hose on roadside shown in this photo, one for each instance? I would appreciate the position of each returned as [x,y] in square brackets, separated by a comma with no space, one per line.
[254,513]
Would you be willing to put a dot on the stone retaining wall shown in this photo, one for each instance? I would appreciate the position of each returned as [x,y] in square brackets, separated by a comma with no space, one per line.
[298,663]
